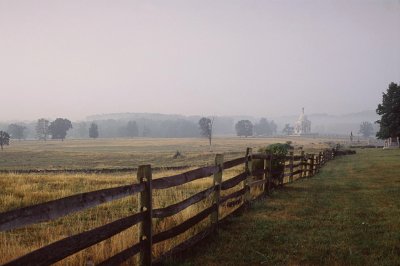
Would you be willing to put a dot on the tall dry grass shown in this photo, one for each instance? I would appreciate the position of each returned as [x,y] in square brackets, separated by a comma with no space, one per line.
[19,190]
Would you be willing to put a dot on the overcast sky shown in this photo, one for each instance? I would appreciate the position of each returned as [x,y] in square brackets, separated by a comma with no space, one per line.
[263,58]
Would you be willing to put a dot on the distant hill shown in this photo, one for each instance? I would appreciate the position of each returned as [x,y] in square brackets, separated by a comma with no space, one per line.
[322,123]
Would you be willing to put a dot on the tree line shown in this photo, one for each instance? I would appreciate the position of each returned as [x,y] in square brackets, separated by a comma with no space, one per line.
[43,129]
[62,128]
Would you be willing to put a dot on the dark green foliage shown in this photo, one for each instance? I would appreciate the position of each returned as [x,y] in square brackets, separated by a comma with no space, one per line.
[16,131]
[278,151]
[244,128]
[4,139]
[206,126]
[93,131]
[59,127]
[366,129]
[389,111]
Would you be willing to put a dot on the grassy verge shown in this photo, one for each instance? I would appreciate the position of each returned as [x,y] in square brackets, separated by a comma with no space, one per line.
[347,215]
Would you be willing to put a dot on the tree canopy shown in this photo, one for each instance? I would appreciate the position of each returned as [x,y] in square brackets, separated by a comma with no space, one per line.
[93,131]
[389,110]
[59,127]
[366,129]
[4,139]
[131,129]
[42,129]
[265,127]
[16,131]
[244,128]
[206,125]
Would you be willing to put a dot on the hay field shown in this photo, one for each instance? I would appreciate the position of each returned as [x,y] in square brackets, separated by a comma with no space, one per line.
[120,153]
[19,190]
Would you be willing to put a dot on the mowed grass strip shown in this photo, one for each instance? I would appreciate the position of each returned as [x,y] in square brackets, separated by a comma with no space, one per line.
[348,214]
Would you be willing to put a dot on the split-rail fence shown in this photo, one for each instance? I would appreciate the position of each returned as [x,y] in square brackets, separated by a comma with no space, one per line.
[253,175]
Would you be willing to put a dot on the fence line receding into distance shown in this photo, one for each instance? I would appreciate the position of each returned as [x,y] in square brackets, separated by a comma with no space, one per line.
[258,172]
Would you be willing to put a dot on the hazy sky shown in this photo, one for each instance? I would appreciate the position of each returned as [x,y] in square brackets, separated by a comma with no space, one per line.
[264,58]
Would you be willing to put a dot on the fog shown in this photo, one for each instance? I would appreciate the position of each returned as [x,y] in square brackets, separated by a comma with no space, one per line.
[259,58]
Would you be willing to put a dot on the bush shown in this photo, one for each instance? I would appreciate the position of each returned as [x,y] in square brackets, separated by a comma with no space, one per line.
[278,151]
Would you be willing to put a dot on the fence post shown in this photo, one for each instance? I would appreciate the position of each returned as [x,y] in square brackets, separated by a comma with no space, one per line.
[144,176]
[322,158]
[219,161]
[248,169]
[312,165]
[265,175]
[269,183]
[291,159]
[302,164]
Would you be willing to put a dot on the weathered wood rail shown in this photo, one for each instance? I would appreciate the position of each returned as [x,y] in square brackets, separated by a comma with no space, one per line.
[257,173]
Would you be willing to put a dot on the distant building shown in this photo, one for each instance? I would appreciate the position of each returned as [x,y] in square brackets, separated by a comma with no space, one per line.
[302,125]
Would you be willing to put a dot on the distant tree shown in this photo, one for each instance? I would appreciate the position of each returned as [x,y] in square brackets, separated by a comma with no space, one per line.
[4,139]
[389,111]
[59,127]
[288,130]
[244,128]
[274,127]
[93,131]
[206,128]
[265,128]
[42,129]
[146,131]
[262,127]
[16,131]
[366,129]
[132,129]
[81,129]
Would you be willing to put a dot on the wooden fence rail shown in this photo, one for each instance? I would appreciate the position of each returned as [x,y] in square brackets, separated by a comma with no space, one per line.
[258,173]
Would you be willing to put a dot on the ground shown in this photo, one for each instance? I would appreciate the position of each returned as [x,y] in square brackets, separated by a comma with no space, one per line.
[120,153]
[348,214]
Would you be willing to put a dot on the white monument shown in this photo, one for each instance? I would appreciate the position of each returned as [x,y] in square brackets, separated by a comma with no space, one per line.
[302,125]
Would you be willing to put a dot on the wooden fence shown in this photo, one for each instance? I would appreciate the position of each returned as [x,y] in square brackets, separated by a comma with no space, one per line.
[258,172]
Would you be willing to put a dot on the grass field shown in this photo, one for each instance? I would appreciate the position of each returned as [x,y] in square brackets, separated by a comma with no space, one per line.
[19,190]
[119,153]
[349,214]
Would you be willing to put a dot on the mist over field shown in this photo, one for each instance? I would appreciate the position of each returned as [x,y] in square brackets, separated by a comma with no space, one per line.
[166,125]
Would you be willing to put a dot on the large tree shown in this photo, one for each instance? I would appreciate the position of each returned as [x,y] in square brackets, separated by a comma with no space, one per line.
[244,128]
[4,139]
[16,131]
[93,131]
[366,129]
[206,128]
[42,129]
[59,127]
[389,110]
